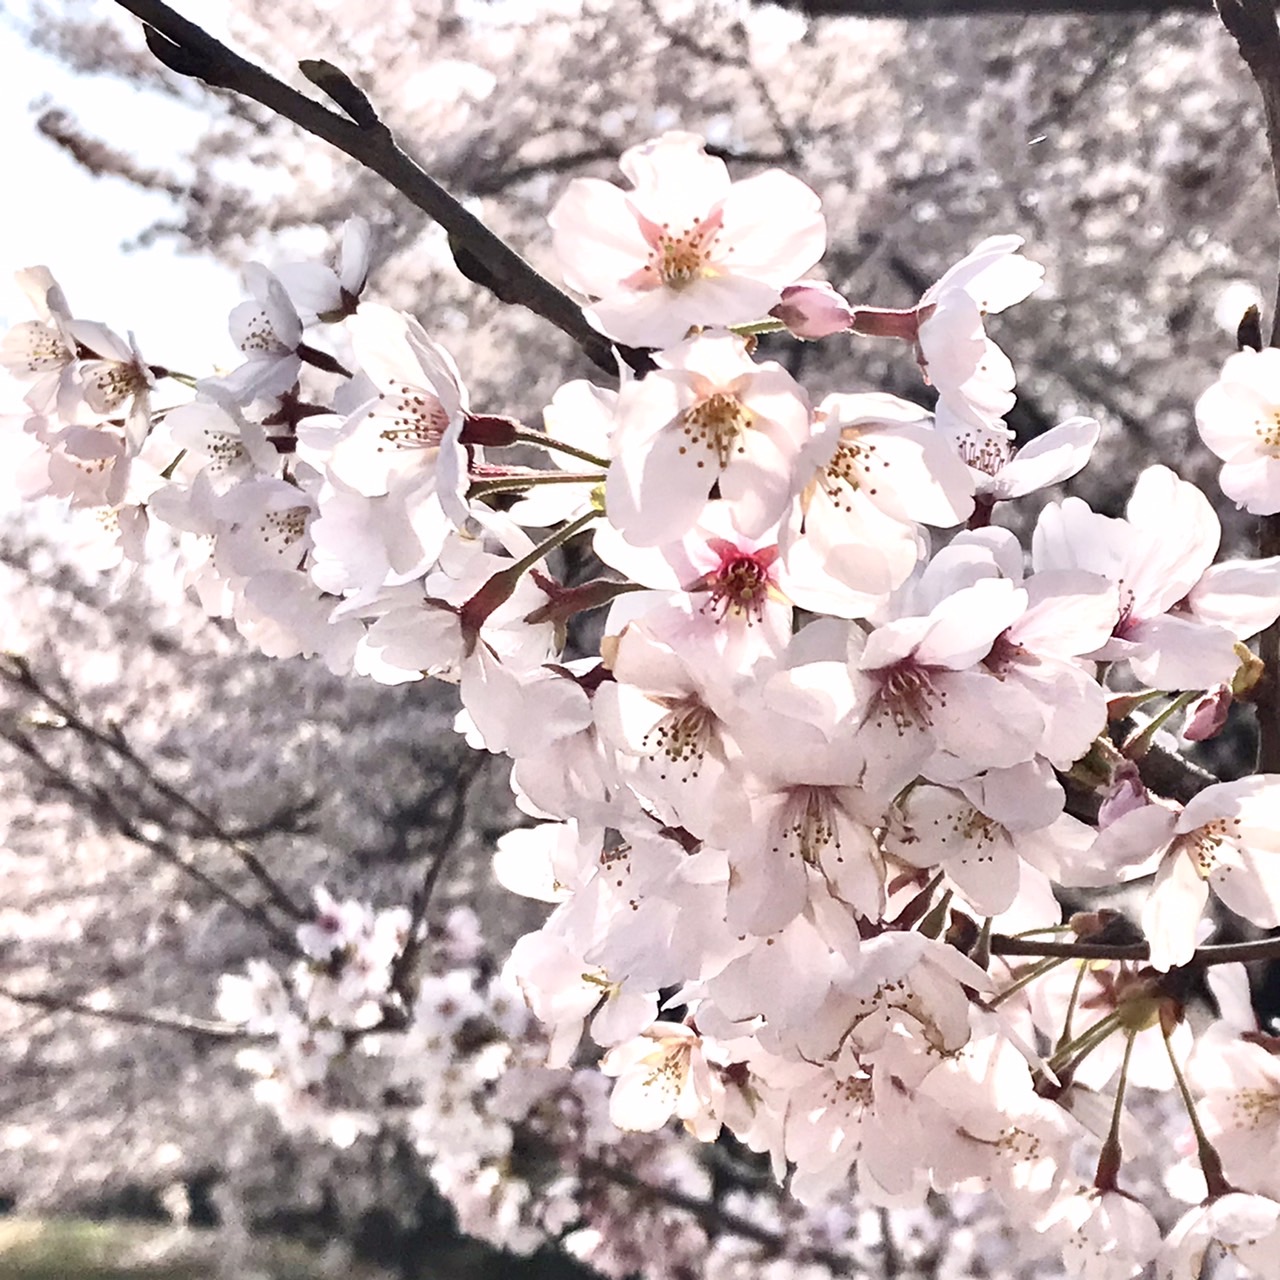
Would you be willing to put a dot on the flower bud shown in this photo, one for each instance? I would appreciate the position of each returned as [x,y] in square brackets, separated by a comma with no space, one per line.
[813,309]
[1208,715]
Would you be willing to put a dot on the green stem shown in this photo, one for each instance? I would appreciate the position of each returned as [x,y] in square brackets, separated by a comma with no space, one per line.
[1110,1155]
[1136,747]
[1071,1007]
[1025,979]
[557,539]
[511,484]
[1086,1042]
[1210,1161]
[757,327]
[544,441]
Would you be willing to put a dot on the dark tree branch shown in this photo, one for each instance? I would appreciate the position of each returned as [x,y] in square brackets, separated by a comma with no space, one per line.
[711,1215]
[1203,957]
[1253,25]
[17,671]
[917,9]
[197,1028]
[101,805]
[481,256]
[403,981]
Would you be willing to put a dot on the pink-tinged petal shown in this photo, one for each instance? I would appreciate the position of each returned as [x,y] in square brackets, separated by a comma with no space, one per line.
[656,495]
[1249,883]
[925,480]
[987,874]
[1241,595]
[1180,539]
[990,723]
[776,227]
[1069,612]
[1173,911]
[992,273]
[1253,485]
[597,238]
[649,318]
[1057,455]
[757,484]
[1130,846]
[1178,652]
[1234,419]
[966,623]
[675,180]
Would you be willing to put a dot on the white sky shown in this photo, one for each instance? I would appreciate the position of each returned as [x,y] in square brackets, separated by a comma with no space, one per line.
[58,215]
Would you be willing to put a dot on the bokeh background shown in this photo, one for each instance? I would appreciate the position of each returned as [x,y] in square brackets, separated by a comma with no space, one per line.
[1126,148]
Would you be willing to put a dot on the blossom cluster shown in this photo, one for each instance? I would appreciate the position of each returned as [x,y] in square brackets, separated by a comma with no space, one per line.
[818,761]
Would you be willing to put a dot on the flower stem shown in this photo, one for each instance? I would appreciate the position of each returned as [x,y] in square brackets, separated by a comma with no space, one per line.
[756,327]
[1138,745]
[544,441]
[1025,979]
[1210,1161]
[1071,1007]
[510,484]
[1109,1157]
[1085,1043]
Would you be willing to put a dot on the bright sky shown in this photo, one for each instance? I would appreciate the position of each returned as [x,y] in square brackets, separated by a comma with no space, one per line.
[58,215]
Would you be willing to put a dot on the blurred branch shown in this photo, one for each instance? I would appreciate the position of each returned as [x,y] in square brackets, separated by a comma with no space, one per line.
[197,1028]
[97,801]
[915,9]
[481,256]
[712,1215]
[403,979]
[1253,25]
[18,672]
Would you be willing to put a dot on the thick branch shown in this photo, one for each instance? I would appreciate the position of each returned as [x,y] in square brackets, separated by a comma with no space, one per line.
[1253,24]
[1202,958]
[481,256]
[915,9]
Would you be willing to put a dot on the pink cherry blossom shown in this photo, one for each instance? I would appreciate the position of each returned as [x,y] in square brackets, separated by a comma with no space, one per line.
[686,246]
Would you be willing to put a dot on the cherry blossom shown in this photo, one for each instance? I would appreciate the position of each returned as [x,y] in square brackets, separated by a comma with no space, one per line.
[1239,420]
[686,246]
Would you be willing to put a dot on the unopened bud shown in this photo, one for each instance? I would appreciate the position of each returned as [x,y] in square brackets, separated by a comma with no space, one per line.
[1125,794]
[813,309]
[1208,716]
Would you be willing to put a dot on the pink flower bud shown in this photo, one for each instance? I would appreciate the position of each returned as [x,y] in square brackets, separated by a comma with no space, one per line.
[813,309]
[1208,715]
[1126,793]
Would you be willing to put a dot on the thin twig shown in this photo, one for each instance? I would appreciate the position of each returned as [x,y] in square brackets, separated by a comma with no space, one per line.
[198,1028]
[404,967]
[712,1215]
[17,670]
[188,50]
[99,802]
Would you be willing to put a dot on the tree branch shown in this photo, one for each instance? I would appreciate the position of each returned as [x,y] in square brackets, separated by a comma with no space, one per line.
[198,1028]
[481,256]
[99,802]
[711,1214]
[1252,23]
[17,670]
[1202,958]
